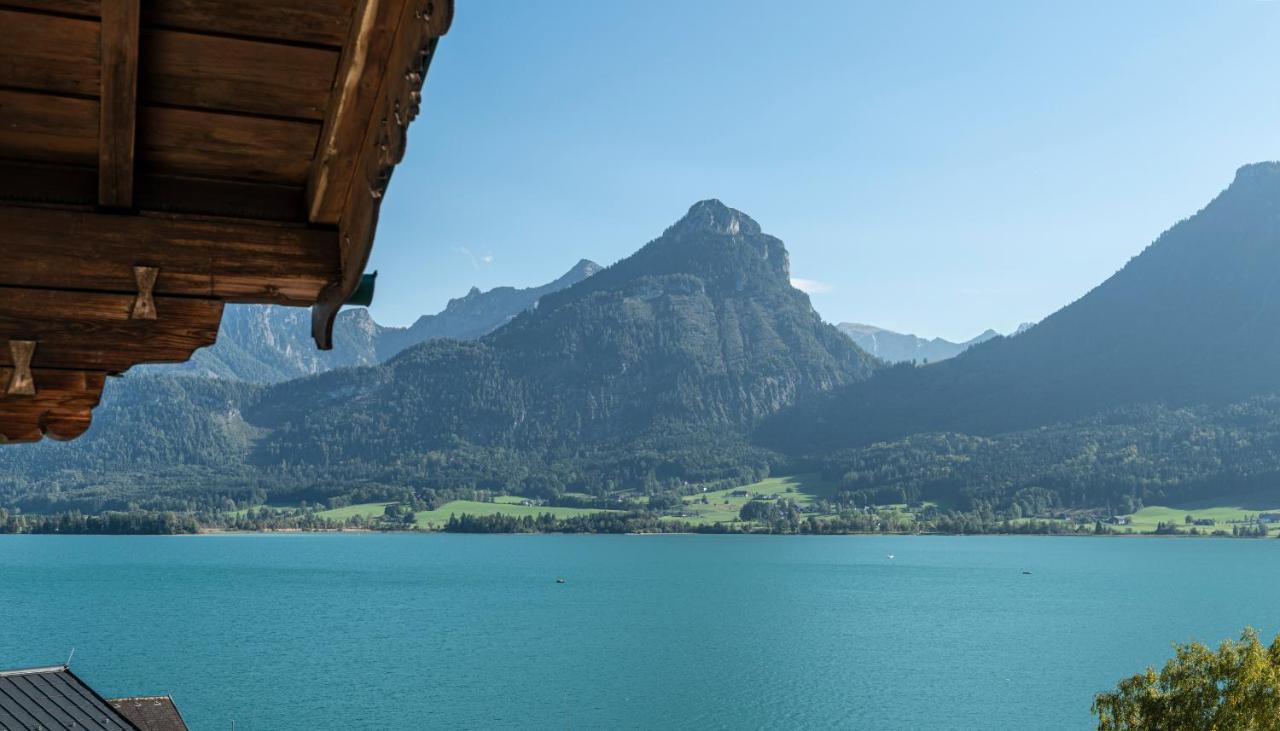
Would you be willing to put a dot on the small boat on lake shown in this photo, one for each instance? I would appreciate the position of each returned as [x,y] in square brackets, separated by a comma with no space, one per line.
[561,581]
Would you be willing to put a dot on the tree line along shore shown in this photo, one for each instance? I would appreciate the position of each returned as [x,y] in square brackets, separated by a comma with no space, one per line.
[785,505]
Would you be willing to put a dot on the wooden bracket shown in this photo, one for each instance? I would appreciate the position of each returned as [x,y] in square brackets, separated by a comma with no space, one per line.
[323,314]
[22,384]
[144,306]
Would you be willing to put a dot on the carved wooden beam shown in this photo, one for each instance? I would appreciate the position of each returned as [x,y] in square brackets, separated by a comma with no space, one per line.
[21,382]
[232,260]
[144,305]
[98,331]
[118,108]
[361,71]
[399,98]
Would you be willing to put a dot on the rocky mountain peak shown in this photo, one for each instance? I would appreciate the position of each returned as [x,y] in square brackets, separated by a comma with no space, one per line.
[580,271]
[1256,187]
[1258,171]
[712,216]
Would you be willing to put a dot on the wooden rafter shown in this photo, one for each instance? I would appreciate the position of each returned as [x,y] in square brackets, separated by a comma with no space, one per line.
[161,158]
[355,91]
[74,186]
[379,150]
[118,102]
[98,331]
[236,261]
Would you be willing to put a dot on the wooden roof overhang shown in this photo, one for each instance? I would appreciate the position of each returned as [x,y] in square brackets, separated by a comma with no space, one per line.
[159,158]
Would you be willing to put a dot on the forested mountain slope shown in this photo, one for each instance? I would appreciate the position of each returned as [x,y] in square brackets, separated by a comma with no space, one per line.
[698,332]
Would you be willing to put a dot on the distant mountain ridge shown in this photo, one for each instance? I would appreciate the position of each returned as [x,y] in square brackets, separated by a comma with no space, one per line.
[477,313]
[895,347]
[273,344]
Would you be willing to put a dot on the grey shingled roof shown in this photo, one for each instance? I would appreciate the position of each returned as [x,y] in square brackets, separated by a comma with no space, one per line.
[150,712]
[54,698]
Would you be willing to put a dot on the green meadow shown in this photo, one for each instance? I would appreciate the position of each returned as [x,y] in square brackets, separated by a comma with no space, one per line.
[504,506]
[721,506]
[434,519]
[367,510]
[1147,519]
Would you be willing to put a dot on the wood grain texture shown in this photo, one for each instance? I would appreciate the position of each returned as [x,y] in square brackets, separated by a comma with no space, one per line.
[49,53]
[321,22]
[30,182]
[20,381]
[384,144]
[231,198]
[46,184]
[93,331]
[87,8]
[61,409]
[235,75]
[206,144]
[39,127]
[231,260]
[118,108]
[366,57]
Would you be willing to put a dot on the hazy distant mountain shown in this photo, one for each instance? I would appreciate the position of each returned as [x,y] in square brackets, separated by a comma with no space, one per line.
[478,313]
[269,344]
[894,347]
[1215,275]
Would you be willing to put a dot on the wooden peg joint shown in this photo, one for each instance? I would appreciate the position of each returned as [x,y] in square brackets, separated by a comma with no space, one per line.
[21,383]
[144,305]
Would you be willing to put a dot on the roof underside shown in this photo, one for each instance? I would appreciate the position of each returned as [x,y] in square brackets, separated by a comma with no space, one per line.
[54,698]
[159,159]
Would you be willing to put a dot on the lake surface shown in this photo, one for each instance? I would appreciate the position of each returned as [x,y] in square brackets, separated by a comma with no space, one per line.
[444,631]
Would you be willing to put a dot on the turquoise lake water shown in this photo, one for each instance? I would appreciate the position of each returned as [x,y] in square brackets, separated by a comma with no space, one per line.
[445,631]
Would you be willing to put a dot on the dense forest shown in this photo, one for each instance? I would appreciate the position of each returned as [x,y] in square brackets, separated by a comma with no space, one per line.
[1118,460]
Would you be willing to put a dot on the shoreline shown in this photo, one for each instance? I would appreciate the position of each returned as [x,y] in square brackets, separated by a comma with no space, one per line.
[214,532]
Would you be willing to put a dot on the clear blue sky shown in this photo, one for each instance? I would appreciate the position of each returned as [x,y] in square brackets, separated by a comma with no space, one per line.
[933,167]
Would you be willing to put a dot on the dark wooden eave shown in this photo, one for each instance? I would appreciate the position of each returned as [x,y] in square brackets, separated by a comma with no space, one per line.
[159,159]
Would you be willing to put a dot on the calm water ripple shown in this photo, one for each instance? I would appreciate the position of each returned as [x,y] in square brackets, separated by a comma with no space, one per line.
[447,631]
